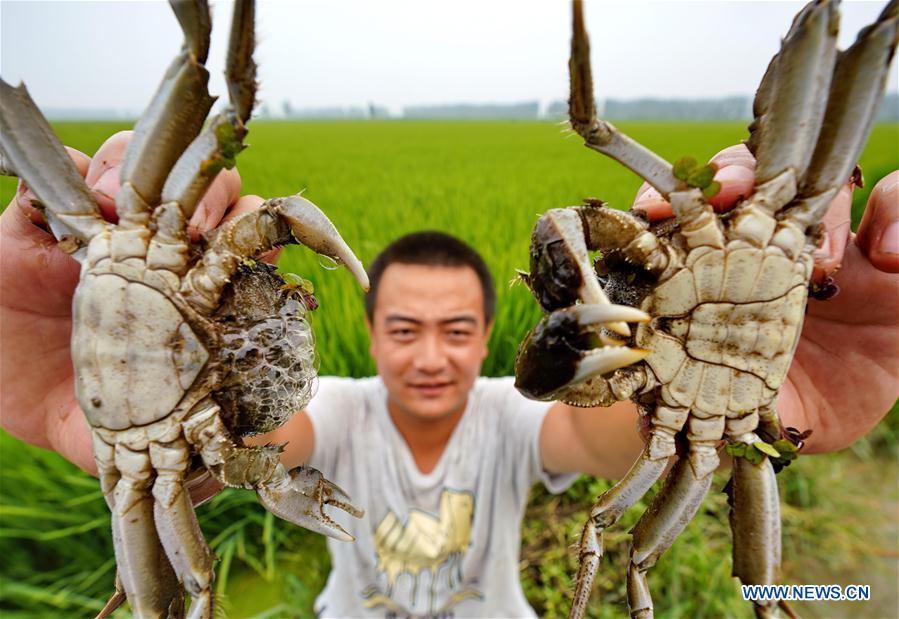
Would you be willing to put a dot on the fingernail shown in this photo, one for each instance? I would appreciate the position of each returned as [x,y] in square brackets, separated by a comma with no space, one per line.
[196,227]
[734,173]
[736,183]
[824,251]
[889,241]
[108,183]
[25,198]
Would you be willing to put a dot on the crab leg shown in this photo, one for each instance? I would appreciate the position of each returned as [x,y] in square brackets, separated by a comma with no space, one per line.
[599,390]
[166,583]
[608,229]
[278,221]
[172,120]
[29,148]
[855,93]
[139,555]
[298,496]
[598,134]
[220,142]
[789,109]
[177,525]
[117,598]
[104,454]
[755,522]
[668,515]
[618,499]
[694,213]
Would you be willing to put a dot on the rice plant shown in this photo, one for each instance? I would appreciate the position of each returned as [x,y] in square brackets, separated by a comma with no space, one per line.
[485,182]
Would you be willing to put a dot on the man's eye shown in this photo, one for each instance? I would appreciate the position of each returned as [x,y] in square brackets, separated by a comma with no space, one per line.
[402,333]
[458,334]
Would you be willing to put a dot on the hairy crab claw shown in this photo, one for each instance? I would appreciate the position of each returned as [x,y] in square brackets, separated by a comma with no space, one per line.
[300,498]
[561,270]
[312,228]
[560,352]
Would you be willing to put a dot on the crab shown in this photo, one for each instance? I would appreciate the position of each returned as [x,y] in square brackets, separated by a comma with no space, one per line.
[180,349]
[718,300]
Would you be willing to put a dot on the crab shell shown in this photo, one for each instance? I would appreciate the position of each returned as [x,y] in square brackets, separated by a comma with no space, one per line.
[152,360]
[725,327]
[137,353]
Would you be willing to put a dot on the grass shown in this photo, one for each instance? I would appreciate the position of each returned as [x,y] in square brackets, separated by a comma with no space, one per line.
[485,182]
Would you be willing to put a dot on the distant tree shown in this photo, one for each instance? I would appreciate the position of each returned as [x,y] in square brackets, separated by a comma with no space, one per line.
[523,110]
[557,109]
[889,108]
[377,111]
[288,109]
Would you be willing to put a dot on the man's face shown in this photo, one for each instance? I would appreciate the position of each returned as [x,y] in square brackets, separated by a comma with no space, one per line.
[428,337]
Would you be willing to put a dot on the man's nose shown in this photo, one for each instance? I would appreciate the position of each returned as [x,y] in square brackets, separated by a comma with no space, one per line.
[431,356]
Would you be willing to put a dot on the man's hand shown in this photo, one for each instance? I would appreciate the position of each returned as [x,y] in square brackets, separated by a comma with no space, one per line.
[844,376]
[39,279]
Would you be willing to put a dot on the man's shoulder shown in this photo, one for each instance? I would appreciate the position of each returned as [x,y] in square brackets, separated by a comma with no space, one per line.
[348,382]
[498,385]
[337,389]
[500,393]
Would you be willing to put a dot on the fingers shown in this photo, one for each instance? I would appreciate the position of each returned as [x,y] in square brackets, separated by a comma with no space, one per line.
[837,224]
[878,232]
[736,155]
[103,174]
[244,205]
[69,434]
[221,195]
[39,278]
[652,203]
[103,179]
[736,174]
[25,198]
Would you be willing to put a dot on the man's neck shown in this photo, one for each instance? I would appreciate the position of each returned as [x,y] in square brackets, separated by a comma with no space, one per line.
[426,438]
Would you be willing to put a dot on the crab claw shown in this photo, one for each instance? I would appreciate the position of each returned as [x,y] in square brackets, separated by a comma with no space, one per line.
[312,228]
[561,351]
[561,271]
[300,497]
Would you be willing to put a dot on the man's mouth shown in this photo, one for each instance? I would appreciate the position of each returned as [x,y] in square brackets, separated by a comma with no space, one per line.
[431,388]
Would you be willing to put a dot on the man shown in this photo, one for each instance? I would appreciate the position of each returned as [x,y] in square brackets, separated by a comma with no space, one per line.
[440,459]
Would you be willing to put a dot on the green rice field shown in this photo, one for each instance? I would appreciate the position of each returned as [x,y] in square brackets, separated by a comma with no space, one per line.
[485,182]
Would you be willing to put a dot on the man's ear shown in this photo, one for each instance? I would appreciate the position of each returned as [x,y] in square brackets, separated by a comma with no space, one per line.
[487,331]
[371,336]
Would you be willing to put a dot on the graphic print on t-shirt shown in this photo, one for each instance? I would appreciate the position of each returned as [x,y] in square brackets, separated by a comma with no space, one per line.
[425,545]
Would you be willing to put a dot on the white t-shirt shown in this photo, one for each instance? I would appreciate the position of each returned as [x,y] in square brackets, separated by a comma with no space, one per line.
[442,545]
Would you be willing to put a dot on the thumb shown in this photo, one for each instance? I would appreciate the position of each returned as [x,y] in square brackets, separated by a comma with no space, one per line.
[878,232]
[103,174]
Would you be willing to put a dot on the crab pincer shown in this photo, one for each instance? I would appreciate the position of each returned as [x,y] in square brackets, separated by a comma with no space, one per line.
[300,496]
[721,298]
[561,350]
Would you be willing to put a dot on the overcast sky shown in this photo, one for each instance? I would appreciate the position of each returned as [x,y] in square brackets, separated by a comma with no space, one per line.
[319,53]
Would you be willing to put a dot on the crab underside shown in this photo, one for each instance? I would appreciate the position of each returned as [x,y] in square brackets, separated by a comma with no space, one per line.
[718,300]
[181,348]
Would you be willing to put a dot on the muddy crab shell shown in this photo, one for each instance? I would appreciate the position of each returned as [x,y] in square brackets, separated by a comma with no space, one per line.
[134,354]
[268,352]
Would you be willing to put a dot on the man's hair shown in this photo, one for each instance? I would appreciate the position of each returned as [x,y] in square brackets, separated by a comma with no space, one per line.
[430,248]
